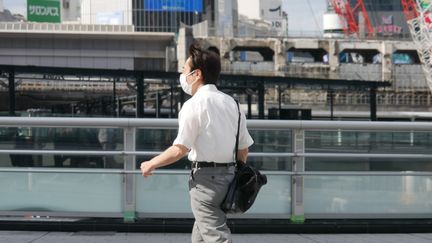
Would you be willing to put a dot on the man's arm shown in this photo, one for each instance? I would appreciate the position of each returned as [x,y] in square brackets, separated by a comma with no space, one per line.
[169,156]
[242,154]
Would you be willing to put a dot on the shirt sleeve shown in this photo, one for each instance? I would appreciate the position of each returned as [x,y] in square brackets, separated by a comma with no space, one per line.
[188,126]
[245,139]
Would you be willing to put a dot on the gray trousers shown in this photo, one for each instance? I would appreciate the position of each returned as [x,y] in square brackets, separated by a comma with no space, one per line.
[207,189]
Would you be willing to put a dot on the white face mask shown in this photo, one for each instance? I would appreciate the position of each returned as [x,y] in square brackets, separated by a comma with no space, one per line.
[187,88]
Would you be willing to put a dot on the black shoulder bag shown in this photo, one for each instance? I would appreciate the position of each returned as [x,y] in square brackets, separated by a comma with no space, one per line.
[246,184]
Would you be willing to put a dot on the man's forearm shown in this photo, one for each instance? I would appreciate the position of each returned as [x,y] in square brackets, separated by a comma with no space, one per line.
[242,154]
[169,156]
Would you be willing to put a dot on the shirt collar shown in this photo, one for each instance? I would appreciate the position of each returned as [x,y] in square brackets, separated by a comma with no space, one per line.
[207,87]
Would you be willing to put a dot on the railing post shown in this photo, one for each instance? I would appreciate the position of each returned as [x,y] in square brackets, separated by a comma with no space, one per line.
[12,93]
[298,165]
[373,104]
[129,209]
[261,99]
[140,95]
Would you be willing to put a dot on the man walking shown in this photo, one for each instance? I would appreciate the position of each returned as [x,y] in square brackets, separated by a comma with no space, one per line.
[207,130]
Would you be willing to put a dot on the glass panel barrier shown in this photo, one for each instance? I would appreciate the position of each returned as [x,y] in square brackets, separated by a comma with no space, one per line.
[268,141]
[270,163]
[368,164]
[155,195]
[163,193]
[367,194]
[168,193]
[274,197]
[60,160]
[154,139]
[368,142]
[157,140]
[60,138]
[265,140]
[271,141]
[81,139]
[278,141]
[61,192]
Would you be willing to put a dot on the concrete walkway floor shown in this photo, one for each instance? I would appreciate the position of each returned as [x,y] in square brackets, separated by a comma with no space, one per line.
[113,237]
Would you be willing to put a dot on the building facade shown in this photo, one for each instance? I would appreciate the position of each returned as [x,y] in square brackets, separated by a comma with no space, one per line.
[110,12]
[387,18]
[166,16]
[262,17]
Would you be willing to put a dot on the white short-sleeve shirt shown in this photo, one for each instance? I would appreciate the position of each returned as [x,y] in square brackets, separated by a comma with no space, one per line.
[208,126]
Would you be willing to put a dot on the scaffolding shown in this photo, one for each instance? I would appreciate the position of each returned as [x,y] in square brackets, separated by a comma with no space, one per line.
[355,19]
[419,17]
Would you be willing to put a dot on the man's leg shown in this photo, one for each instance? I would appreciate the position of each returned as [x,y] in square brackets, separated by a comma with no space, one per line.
[207,191]
[196,234]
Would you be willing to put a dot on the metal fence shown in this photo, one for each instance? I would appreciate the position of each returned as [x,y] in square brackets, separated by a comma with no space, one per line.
[291,183]
[200,29]
[67,28]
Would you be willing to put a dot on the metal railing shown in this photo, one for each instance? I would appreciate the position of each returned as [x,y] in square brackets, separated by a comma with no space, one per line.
[129,153]
[42,85]
[51,27]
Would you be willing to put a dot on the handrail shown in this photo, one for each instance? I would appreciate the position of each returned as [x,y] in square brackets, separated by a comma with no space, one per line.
[172,124]
[183,172]
[108,171]
[253,154]
[78,152]
[365,155]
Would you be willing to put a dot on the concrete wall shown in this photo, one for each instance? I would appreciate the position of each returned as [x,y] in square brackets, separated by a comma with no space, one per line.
[403,77]
[184,40]
[126,52]
[409,77]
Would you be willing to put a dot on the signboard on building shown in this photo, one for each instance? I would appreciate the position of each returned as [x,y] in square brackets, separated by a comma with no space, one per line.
[388,23]
[43,11]
[388,26]
[271,10]
[174,5]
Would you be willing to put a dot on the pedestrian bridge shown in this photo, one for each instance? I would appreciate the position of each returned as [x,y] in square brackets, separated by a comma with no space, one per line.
[57,168]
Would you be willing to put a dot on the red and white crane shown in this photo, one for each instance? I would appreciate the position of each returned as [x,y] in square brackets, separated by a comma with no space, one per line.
[419,18]
[350,16]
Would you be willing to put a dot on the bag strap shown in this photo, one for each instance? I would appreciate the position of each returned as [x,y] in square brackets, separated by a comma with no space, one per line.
[238,132]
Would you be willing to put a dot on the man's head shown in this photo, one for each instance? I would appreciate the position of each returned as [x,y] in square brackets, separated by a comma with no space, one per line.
[202,67]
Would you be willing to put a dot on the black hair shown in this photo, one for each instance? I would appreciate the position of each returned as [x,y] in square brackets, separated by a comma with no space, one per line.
[206,61]
[214,49]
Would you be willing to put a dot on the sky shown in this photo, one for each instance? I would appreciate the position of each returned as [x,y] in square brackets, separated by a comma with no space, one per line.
[16,6]
[300,17]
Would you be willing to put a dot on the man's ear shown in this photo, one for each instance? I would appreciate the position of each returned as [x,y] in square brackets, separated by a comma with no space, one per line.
[198,72]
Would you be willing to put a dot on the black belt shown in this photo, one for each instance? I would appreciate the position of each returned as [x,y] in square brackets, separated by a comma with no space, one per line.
[198,164]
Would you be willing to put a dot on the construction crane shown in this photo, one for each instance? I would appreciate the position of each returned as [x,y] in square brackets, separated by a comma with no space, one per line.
[350,17]
[418,14]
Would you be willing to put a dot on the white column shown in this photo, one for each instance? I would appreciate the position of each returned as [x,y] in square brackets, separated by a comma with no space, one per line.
[387,65]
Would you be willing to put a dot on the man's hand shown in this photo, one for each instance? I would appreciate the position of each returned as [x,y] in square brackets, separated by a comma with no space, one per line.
[169,156]
[146,169]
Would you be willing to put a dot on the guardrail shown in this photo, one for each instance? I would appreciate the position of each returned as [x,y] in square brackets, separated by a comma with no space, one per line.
[297,157]
[54,27]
